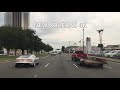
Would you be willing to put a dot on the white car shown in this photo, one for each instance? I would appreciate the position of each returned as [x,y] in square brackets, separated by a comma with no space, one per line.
[108,54]
[114,53]
[53,53]
[58,51]
[30,59]
[3,53]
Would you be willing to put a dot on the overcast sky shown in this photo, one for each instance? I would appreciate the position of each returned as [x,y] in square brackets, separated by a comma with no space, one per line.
[57,37]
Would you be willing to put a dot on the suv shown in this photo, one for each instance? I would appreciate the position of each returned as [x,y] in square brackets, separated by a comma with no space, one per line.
[53,53]
[78,54]
[58,51]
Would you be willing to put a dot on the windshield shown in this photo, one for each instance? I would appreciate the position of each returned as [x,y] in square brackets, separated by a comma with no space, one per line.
[57,49]
[24,56]
[79,52]
[59,40]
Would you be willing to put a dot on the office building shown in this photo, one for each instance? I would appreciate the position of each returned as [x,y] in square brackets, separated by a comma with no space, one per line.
[17,19]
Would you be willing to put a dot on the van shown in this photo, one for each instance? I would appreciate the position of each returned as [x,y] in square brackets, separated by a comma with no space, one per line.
[58,51]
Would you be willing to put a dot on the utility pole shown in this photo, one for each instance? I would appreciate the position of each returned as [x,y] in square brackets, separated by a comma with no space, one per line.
[83,39]
[80,43]
[100,37]
[69,46]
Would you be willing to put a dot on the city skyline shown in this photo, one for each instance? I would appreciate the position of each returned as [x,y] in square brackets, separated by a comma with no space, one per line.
[109,21]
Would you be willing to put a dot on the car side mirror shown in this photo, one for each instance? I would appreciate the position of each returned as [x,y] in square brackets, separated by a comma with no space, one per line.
[37,58]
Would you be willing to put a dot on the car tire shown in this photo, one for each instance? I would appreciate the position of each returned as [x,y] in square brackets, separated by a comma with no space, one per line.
[72,58]
[16,65]
[79,64]
[100,65]
[34,64]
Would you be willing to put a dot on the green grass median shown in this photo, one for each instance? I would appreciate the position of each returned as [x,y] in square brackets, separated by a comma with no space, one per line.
[42,54]
[11,58]
[7,58]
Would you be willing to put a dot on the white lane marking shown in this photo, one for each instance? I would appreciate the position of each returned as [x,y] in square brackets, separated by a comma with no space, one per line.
[46,65]
[107,66]
[35,76]
[75,66]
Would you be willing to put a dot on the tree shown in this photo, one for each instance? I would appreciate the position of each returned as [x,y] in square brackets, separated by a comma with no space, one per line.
[48,48]
[8,37]
[17,38]
[26,40]
[36,44]
[42,46]
[63,49]
[100,46]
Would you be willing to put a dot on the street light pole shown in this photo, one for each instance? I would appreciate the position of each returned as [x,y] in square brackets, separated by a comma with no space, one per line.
[100,37]
[80,42]
[83,39]
[69,46]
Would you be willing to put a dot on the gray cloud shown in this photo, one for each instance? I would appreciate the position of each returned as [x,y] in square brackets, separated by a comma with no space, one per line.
[1,18]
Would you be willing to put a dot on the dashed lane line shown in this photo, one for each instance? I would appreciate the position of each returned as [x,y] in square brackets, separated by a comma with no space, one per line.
[75,65]
[46,65]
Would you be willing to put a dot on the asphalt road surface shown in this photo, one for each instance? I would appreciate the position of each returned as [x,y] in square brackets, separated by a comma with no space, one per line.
[59,66]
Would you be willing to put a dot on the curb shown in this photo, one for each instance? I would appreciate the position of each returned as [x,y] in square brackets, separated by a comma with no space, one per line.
[114,61]
[108,59]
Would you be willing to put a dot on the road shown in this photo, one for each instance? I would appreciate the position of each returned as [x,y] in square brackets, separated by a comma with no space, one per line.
[59,66]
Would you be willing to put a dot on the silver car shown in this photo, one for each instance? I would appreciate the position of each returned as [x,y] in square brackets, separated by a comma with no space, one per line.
[30,59]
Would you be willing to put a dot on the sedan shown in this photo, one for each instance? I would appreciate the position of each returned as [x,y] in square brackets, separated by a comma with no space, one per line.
[30,59]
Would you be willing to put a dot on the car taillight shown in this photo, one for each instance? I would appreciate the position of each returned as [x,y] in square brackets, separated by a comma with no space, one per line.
[19,60]
[29,60]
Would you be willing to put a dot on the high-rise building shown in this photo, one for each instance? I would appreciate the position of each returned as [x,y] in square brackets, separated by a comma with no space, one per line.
[17,19]
[25,18]
[8,18]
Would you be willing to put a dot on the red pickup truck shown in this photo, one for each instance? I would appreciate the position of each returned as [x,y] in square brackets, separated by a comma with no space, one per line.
[78,54]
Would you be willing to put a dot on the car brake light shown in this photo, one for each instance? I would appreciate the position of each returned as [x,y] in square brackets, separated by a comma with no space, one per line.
[19,60]
[29,60]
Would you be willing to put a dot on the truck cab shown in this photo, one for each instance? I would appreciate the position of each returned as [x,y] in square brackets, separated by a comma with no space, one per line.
[78,54]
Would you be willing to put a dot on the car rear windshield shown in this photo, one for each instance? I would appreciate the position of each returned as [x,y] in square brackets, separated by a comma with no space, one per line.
[1,52]
[24,56]
[79,52]
[57,49]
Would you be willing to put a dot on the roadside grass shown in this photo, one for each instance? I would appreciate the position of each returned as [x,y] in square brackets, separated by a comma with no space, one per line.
[42,54]
[7,58]
[12,58]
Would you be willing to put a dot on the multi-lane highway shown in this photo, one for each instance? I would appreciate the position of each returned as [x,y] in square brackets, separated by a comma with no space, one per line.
[59,66]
